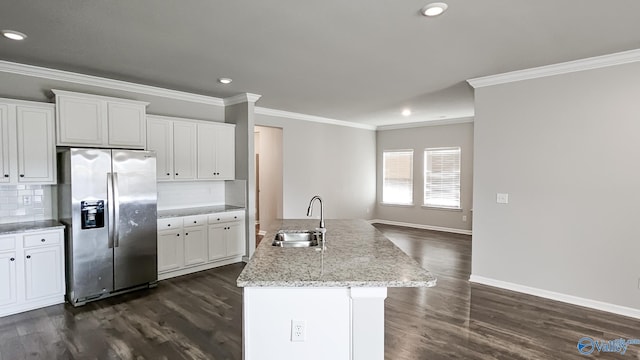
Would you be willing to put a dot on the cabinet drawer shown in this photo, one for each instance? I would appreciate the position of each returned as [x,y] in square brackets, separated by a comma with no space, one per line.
[170,223]
[225,217]
[195,220]
[7,243]
[41,239]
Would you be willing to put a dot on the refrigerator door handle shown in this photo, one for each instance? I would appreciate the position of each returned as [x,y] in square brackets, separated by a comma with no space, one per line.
[109,208]
[116,211]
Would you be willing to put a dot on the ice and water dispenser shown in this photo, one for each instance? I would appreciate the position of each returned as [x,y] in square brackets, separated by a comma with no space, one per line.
[92,214]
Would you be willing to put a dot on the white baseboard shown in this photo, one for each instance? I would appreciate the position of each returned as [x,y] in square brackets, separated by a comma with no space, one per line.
[570,299]
[421,226]
[262,233]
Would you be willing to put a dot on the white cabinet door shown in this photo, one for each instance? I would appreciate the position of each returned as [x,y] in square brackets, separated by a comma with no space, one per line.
[235,238]
[216,152]
[127,124]
[195,245]
[43,272]
[170,250]
[226,153]
[184,150]
[36,148]
[160,140]
[4,143]
[207,139]
[217,241]
[81,121]
[8,279]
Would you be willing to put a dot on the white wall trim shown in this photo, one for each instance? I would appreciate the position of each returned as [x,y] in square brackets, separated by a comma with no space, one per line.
[620,58]
[240,98]
[76,78]
[570,299]
[313,118]
[421,226]
[462,120]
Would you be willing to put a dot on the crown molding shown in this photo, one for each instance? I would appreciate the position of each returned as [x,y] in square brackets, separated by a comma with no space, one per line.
[313,118]
[241,98]
[462,120]
[76,78]
[100,97]
[596,62]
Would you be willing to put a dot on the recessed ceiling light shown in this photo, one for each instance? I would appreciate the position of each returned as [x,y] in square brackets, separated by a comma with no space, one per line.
[406,112]
[225,80]
[434,9]
[14,35]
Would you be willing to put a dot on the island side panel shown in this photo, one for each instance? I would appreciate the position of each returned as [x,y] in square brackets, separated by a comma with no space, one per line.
[267,317]
[367,323]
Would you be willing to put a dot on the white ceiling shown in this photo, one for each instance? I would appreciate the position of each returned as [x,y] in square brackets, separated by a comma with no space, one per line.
[355,60]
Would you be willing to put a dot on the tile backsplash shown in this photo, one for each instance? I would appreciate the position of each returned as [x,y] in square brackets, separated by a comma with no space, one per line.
[20,203]
[176,195]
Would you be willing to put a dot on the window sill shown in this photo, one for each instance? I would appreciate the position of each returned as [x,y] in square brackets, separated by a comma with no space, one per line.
[441,208]
[397,205]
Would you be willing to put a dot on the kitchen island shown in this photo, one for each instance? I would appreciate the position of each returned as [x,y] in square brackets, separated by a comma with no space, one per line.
[304,303]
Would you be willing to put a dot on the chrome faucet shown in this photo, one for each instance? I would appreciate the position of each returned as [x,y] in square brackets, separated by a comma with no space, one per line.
[320,229]
[310,209]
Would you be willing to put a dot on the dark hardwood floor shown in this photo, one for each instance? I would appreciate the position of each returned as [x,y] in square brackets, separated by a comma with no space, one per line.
[460,320]
[199,316]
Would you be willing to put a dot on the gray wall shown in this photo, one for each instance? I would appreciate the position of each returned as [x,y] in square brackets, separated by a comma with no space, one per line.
[566,148]
[418,139]
[336,162]
[242,115]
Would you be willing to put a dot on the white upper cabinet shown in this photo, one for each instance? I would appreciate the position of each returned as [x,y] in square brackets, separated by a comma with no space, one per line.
[81,121]
[126,124]
[27,151]
[216,151]
[36,148]
[184,150]
[191,149]
[226,153]
[99,121]
[4,143]
[160,140]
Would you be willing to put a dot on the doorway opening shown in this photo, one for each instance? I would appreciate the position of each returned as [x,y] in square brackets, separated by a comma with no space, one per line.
[269,178]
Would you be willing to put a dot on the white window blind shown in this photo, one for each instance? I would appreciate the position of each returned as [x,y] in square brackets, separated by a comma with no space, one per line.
[442,177]
[397,179]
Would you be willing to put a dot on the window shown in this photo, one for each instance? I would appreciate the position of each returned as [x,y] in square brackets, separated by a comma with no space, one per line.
[442,177]
[397,179]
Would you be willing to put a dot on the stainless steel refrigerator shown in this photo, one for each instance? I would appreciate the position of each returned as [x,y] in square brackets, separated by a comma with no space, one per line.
[107,199]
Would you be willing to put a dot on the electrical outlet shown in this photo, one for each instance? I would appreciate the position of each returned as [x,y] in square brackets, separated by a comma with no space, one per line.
[502,198]
[464,217]
[26,200]
[298,330]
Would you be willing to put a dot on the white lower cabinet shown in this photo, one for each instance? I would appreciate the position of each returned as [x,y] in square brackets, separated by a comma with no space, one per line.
[40,280]
[31,270]
[224,240]
[8,278]
[217,241]
[199,242]
[195,245]
[170,250]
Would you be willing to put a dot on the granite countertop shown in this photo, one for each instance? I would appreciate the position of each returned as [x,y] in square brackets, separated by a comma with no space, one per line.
[27,226]
[356,255]
[169,213]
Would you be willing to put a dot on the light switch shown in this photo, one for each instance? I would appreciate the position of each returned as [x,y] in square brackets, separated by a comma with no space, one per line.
[502,198]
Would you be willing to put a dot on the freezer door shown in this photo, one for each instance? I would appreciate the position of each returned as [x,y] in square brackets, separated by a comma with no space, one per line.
[90,259]
[135,238]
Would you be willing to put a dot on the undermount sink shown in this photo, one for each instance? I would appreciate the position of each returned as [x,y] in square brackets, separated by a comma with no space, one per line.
[296,238]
